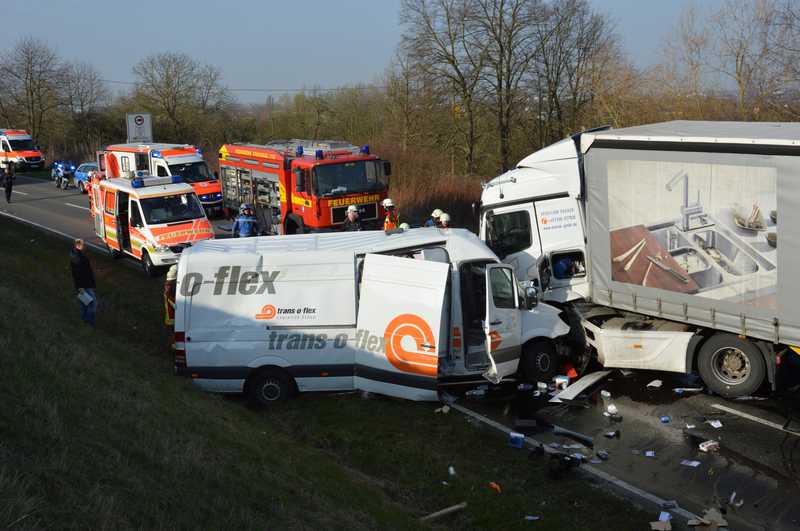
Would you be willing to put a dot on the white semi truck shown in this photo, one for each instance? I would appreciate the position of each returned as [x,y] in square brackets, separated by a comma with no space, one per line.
[663,244]
[402,314]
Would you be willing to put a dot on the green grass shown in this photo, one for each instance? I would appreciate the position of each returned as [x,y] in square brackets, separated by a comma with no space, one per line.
[96,432]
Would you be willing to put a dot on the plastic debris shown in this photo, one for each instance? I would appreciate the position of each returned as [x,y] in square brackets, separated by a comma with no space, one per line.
[516,439]
[444,409]
[571,392]
[605,394]
[734,502]
[602,454]
[542,386]
[663,523]
[531,518]
[665,419]
[715,423]
[578,456]
[561,381]
[681,390]
[475,392]
[451,471]
[664,516]
[444,512]
[612,434]
[495,487]
[612,409]
[655,384]
[709,446]
[650,453]
[690,463]
[690,426]
[711,519]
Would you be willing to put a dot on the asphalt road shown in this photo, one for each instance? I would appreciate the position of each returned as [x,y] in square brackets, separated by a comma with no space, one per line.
[38,201]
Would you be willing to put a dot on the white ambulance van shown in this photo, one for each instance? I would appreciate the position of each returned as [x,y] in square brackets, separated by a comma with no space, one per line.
[401,314]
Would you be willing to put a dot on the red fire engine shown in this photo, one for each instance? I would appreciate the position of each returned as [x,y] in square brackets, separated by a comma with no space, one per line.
[301,186]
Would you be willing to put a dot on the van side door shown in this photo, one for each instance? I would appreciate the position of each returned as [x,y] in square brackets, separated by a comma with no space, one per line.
[399,326]
[503,322]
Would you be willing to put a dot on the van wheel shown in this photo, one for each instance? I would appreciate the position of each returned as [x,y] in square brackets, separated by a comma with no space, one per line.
[539,361]
[147,264]
[269,387]
[113,253]
[731,366]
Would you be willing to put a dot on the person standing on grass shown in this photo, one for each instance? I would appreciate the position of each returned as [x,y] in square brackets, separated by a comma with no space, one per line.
[8,180]
[83,278]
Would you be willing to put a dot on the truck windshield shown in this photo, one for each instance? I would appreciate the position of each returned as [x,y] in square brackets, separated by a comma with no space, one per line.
[22,145]
[192,172]
[349,178]
[171,208]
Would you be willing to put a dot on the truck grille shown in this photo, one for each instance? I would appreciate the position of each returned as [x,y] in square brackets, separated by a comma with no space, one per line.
[33,159]
[367,211]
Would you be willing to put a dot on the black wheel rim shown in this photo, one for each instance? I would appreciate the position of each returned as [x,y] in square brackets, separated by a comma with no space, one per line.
[271,390]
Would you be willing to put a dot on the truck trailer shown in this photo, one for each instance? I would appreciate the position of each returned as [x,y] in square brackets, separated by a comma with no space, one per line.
[403,314]
[663,244]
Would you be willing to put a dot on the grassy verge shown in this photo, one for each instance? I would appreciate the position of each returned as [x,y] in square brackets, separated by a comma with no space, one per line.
[95,432]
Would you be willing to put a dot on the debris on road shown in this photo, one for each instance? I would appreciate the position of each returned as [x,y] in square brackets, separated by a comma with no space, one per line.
[572,391]
[746,398]
[495,487]
[561,381]
[516,439]
[681,390]
[444,512]
[612,434]
[531,518]
[542,386]
[665,419]
[691,426]
[655,384]
[711,520]
[734,502]
[690,463]
[451,471]
[650,453]
[612,409]
[715,423]
[709,446]
[663,523]
[602,454]
[444,409]
[605,394]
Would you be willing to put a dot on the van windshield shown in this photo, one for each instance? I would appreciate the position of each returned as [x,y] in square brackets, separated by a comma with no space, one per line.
[192,172]
[171,208]
[22,145]
[349,178]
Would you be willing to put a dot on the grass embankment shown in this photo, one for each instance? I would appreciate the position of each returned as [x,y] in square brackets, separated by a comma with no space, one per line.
[96,432]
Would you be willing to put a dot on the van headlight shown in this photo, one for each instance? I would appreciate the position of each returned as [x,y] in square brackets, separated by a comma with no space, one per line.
[161,248]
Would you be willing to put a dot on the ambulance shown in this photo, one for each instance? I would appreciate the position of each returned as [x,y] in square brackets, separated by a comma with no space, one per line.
[152,219]
[405,314]
[17,146]
[163,160]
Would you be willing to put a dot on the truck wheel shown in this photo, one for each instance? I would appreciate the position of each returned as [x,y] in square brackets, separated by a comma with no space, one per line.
[539,361]
[731,366]
[147,265]
[269,387]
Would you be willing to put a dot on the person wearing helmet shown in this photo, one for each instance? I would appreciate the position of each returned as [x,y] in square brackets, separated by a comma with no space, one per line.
[351,222]
[444,221]
[392,217]
[246,225]
[434,219]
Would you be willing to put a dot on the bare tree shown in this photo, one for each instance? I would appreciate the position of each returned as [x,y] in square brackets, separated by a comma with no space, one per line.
[440,40]
[84,97]
[29,77]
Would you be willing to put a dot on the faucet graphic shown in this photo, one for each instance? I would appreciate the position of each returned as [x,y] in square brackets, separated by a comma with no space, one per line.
[688,211]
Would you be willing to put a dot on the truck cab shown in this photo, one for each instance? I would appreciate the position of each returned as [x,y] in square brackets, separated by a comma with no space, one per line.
[18,147]
[406,314]
[163,160]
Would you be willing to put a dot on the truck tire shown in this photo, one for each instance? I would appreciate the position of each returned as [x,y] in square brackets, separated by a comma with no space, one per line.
[539,361]
[268,387]
[731,366]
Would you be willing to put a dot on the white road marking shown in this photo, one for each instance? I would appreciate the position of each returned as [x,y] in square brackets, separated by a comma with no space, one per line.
[530,442]
[747,416]
[54,231]
[20,193]
[77,206]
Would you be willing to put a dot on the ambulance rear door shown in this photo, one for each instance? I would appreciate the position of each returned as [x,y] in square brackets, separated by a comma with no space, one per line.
[400,322]
[97,210]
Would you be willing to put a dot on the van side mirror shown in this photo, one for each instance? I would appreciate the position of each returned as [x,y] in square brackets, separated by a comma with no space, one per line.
[387,168]
[531,297]
[299,183]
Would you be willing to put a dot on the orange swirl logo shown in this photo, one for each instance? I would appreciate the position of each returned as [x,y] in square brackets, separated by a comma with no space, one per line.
[423,360]
[267,312]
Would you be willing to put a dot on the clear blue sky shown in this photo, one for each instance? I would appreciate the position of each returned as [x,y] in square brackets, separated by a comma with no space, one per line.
[267,43]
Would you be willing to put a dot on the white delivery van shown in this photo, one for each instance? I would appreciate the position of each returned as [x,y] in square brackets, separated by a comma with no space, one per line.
[660,243]
[400,314]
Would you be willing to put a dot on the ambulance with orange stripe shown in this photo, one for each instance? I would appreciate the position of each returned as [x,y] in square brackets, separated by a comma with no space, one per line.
[17,147]
[152,219]
[405,314]
[163,160]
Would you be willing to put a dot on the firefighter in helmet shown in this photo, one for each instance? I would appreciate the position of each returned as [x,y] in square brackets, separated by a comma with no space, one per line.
[246,224]
[434,219]
[392,220]
[351,222]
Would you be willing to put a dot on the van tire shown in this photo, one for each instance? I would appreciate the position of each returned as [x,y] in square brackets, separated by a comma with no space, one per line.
[147,264]
[731,366]
[113,253]
[269,387]
[539,361]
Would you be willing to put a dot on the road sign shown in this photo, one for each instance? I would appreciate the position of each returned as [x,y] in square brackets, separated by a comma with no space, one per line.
[140,127]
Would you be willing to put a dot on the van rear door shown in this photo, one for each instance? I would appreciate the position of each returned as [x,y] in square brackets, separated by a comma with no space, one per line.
[399,326]
[503,322]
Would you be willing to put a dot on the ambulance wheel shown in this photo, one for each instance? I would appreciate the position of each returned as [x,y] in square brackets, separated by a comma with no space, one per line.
[268,387]
[147,264]
[731,366]
[539,361]
[113,253]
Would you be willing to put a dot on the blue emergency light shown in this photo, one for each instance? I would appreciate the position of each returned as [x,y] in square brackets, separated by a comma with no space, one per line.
[156,154]
[299,151]
[138,182]
[319,154]
[177,179]
[365,149]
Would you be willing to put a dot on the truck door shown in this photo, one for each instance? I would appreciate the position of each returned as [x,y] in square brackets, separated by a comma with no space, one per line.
[511,232]
[399,326]
[503,322]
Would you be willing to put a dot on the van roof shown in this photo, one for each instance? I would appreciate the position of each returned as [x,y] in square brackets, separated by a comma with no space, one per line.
[125,185]
[461,244]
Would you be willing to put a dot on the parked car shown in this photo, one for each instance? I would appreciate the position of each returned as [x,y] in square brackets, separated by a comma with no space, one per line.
[83,175]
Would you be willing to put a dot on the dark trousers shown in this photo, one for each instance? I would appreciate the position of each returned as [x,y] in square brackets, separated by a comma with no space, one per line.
[8,192]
